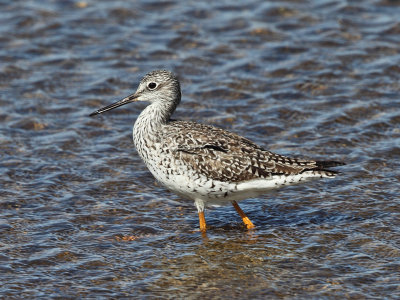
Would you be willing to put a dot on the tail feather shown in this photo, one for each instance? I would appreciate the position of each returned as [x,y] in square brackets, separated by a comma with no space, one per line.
[322,168]
[328,164]
[327,173]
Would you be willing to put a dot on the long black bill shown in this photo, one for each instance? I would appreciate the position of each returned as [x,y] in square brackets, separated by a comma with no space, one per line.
[126,100]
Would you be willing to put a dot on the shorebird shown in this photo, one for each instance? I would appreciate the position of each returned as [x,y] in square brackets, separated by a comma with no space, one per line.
[203,163]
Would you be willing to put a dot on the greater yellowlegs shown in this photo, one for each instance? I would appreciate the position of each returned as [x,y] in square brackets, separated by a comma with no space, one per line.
[203,163]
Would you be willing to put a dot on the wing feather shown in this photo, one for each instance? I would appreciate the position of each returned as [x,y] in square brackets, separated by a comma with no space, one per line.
[226,156]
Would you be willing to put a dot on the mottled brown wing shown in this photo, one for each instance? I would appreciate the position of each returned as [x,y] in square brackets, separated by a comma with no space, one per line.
[225,156]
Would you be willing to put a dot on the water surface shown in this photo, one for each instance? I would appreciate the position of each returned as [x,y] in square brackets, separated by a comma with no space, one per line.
[80,215]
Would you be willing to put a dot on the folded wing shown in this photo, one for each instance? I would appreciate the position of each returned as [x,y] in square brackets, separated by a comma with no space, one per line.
[225,156]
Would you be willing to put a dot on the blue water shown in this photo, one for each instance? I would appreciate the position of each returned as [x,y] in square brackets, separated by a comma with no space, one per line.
[80,215]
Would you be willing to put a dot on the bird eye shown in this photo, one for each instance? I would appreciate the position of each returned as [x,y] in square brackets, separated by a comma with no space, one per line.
[152,85]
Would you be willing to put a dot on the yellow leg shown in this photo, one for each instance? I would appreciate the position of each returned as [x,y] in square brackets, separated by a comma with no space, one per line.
[245,219]
[202,221]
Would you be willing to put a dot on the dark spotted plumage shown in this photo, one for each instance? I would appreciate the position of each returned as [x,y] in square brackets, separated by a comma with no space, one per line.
[202,162]
[225,156]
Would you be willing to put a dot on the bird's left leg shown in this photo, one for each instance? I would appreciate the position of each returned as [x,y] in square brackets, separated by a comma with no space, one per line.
[202,220]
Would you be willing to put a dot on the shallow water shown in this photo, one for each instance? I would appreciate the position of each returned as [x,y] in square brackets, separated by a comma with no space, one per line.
[80,216]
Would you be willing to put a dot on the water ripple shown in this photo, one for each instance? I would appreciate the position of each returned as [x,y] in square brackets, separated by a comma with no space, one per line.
[80,216]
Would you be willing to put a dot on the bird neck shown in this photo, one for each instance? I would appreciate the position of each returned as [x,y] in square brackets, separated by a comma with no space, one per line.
[152,119]
[158,113]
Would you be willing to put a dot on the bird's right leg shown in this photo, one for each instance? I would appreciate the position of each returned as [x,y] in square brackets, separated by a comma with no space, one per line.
[241,213]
